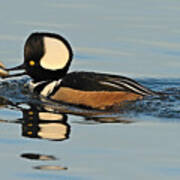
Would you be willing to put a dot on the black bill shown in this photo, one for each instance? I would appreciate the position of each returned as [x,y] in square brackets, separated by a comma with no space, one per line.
[17,68]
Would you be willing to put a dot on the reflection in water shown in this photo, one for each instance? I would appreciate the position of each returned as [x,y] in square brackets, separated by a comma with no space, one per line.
[44,121]
[40,121]
[109,119]
[48,121]
[44,125]
[49,167]
[42,157]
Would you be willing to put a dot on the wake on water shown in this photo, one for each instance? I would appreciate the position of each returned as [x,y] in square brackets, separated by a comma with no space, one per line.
[14,93]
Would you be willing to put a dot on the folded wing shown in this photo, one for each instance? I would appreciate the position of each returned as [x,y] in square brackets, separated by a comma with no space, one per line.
[88,81]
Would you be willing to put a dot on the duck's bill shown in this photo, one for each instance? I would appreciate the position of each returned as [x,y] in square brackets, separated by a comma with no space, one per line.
[5,72]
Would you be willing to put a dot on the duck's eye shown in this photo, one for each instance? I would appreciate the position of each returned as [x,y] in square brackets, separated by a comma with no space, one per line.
[31,63]
[30,113]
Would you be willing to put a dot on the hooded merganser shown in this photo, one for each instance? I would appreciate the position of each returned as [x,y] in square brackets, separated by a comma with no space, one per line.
[47,57]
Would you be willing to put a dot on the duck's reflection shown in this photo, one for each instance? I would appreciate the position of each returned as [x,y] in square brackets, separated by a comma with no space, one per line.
[44,125]
[41,157]
[38,121]
[50,167]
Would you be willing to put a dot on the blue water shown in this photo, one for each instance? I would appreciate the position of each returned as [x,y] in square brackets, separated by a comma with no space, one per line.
[139,39]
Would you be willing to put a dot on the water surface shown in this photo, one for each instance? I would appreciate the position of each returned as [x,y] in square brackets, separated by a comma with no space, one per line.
[140,39]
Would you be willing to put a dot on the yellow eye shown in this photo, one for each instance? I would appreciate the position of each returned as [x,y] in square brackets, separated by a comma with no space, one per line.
[31,63]
[30,113]
[30,125]
[29,132]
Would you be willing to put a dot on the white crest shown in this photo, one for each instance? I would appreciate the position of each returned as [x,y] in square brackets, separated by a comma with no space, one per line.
[52,131]
[56,54]
[50,116]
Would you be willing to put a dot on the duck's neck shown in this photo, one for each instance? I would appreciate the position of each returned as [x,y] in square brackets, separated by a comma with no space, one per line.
[44,88]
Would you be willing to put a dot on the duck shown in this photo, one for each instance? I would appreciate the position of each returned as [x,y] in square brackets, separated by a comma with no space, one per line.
[47,58]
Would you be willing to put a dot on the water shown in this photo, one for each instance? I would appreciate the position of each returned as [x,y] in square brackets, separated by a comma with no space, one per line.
[139,39]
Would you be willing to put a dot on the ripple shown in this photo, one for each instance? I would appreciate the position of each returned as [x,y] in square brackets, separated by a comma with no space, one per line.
[15,93]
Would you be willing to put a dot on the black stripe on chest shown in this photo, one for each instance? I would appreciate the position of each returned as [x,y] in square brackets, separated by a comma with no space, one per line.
[40,87]
[46,88]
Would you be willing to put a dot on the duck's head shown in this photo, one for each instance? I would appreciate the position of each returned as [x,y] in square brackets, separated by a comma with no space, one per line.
[47,56]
